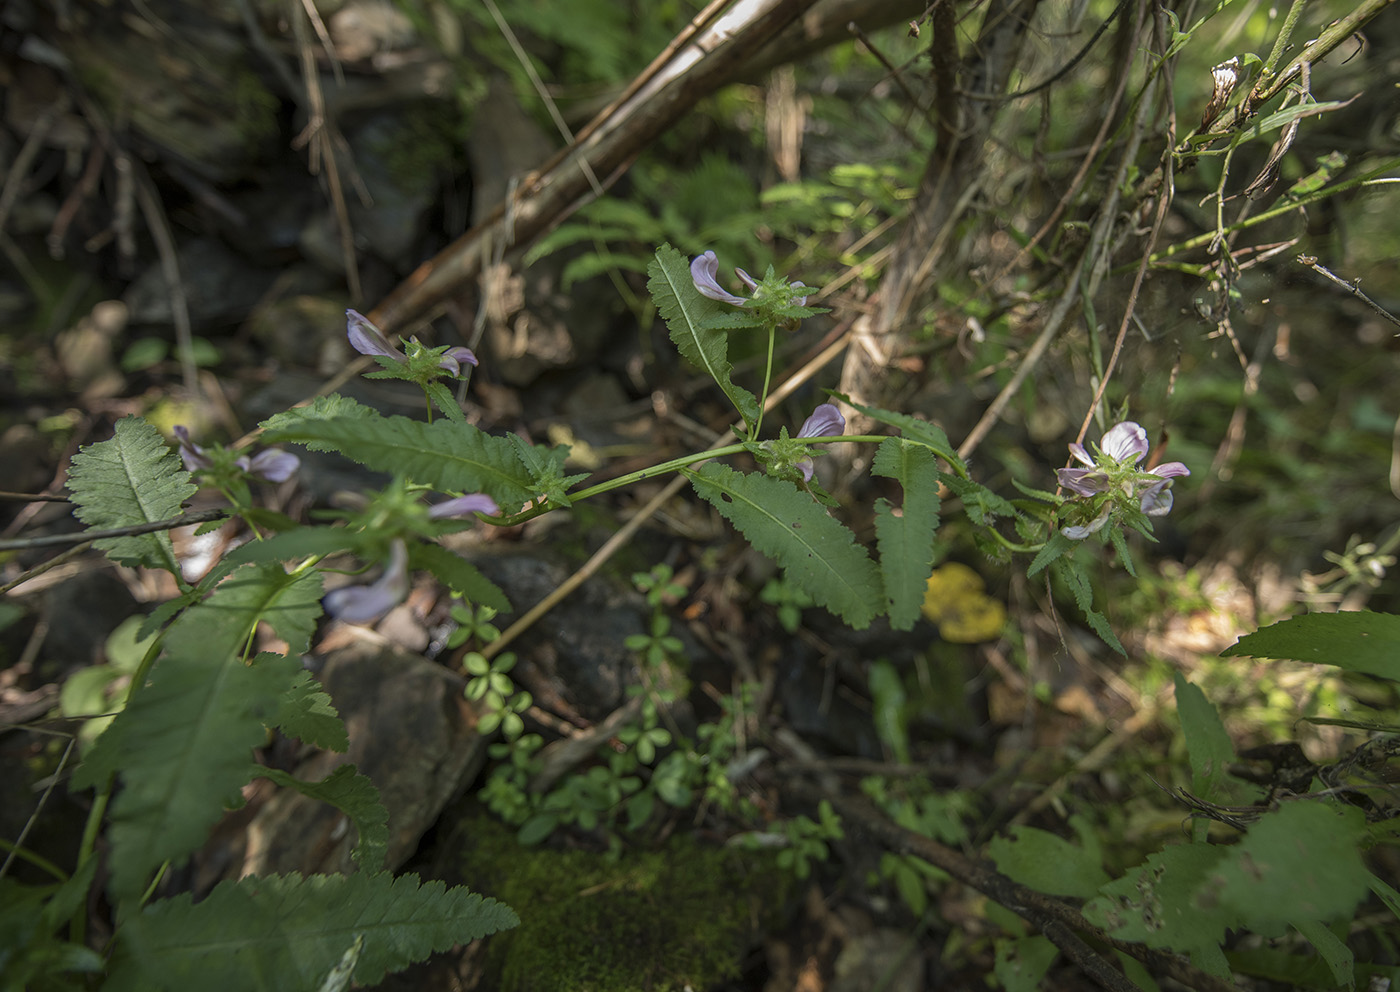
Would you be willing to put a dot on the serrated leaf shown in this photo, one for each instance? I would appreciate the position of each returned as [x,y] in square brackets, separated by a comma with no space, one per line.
[686,313]
[981,505]
[444,400]
[355,796]
[1083,593]
[459,575]
[817,554]
[911,428]
[447,456]
[906,541]
[332,407]
[287,932]
[307,713]
[1055,548]
[1048,863]
[182,743]
[1155,904]
[1298,862]
[1358,641]
[132,478]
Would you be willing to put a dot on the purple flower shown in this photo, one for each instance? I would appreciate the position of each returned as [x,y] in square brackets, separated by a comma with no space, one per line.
[1122,448]
[270,465]
[825,420]
[454,358]
[190,453]
[703,272]
[465,506]
[1157,497]
[370,340]
[361,604]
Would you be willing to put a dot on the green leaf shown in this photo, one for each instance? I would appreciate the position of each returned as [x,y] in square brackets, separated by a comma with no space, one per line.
[906,541]
[447,456]
[1048,863]
[302,542]
[1355,641]
[1155,904]
[1021,962]
[444,400]
[1083,592]
[459,575]
[913,429]
[1298,862]
[817,554]
[287,932]
[182,743]
[1207,743]
[132,478]
[1056,548]
[687,314]
[355,796]
[307,713]
[332,407]
[546,468]
[1332,949]
[981,505]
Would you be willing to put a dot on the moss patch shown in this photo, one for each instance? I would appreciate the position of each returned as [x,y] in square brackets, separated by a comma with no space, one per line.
[649,921]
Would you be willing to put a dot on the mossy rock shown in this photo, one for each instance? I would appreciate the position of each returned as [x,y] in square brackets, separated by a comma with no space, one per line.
[680,916]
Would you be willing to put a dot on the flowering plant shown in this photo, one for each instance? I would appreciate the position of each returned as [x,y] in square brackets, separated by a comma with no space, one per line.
[1112,482]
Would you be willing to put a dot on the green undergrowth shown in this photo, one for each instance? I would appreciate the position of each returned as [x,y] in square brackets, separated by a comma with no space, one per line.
[679,916]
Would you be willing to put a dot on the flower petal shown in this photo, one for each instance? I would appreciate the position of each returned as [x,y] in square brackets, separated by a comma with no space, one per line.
[825,420]
[1171,470]
[271,465]
[454,358]
[361,604]
[1080,455]
[703,271]
[465,506]
[368,339]
[1077,532]
[1126,440]
[1157,500]
[1084,481]
[746,279]
[190,453]
[806,467]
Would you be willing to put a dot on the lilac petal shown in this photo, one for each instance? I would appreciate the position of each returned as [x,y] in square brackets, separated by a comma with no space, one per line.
[825,420]
[1080,455]
[1171,470]
[1157,499]
[368,339]
[361,604]
[806,467]
[465,506]
[746,279]
[1084,481]
[190,453]
[1126,440]
[1077,532]
[271,465]
[703,271]
[454,358]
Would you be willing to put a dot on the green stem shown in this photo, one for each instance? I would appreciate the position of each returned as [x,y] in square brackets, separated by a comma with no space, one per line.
[676,464]
[1285,34]
[767,379]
